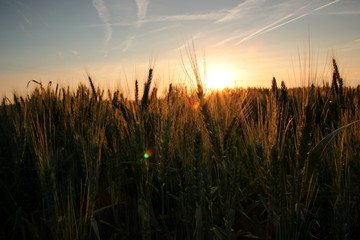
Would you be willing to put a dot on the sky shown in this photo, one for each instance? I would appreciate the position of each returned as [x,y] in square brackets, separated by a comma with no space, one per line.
[237,43]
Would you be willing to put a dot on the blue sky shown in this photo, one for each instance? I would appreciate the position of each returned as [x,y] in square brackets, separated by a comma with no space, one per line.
[116,40]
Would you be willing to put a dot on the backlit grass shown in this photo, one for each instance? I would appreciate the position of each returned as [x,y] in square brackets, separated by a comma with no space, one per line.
[237,164]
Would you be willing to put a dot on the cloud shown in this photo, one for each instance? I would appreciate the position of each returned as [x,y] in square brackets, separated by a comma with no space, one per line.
[281,22]
[241,9]
[114,24]
[266,28]
[271,27]
[127,43]
[142,6]
[170,18]
[222,42]
[187,43]
[326,5]
[354,12]
[188,17]
[348,46]
[24,17]
[18,8]
[103,13]
[161,29]
[274,13]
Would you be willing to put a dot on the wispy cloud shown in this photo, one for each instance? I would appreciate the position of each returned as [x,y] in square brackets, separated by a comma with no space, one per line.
[326,5]
[129,40]
[350,12]
[17,6]
[142,6]
[24,17]
[243,8]
[188,17]
[127,43]
[161,29]
[269,27]
[113,24]
[212,16]
[224,41]
[291,8]
[282,22]
[186,43]
[348,46]
[103,13]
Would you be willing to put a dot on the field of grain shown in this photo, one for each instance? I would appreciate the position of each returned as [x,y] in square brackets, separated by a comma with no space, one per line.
[250,163]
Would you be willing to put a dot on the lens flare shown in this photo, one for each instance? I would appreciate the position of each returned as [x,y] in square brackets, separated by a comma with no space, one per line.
[148,153]
[193,103]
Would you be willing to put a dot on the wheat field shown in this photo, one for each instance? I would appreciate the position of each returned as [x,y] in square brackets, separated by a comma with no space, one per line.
[252,163]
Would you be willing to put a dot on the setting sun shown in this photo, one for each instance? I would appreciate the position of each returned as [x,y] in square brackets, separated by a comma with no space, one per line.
[218,78]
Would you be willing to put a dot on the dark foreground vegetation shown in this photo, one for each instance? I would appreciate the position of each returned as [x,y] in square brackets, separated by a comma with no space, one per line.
[238,164]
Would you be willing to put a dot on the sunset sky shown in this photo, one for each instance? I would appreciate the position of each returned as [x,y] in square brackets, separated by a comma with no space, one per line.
[243,43]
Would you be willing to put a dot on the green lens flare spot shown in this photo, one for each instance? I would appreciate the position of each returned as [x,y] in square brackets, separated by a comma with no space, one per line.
[148,153]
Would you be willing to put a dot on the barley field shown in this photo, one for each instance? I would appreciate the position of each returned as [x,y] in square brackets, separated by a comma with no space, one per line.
[252,163]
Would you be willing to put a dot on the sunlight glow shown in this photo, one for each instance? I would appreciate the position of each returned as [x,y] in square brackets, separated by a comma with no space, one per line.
[218,78]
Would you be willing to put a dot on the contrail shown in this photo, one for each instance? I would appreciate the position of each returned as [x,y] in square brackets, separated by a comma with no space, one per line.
[142,6]
[280,23]
[103,13]
[326,5]
[266,28]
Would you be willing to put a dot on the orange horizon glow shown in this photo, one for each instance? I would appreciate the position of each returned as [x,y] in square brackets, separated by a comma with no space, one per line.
[218,78]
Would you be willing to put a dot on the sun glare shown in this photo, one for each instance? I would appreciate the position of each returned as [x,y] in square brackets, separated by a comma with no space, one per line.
[218,78]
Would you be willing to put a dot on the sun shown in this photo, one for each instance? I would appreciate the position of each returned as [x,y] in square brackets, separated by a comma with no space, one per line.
[218,78]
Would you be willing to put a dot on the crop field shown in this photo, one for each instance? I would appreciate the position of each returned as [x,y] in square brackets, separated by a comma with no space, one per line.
[252,163]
